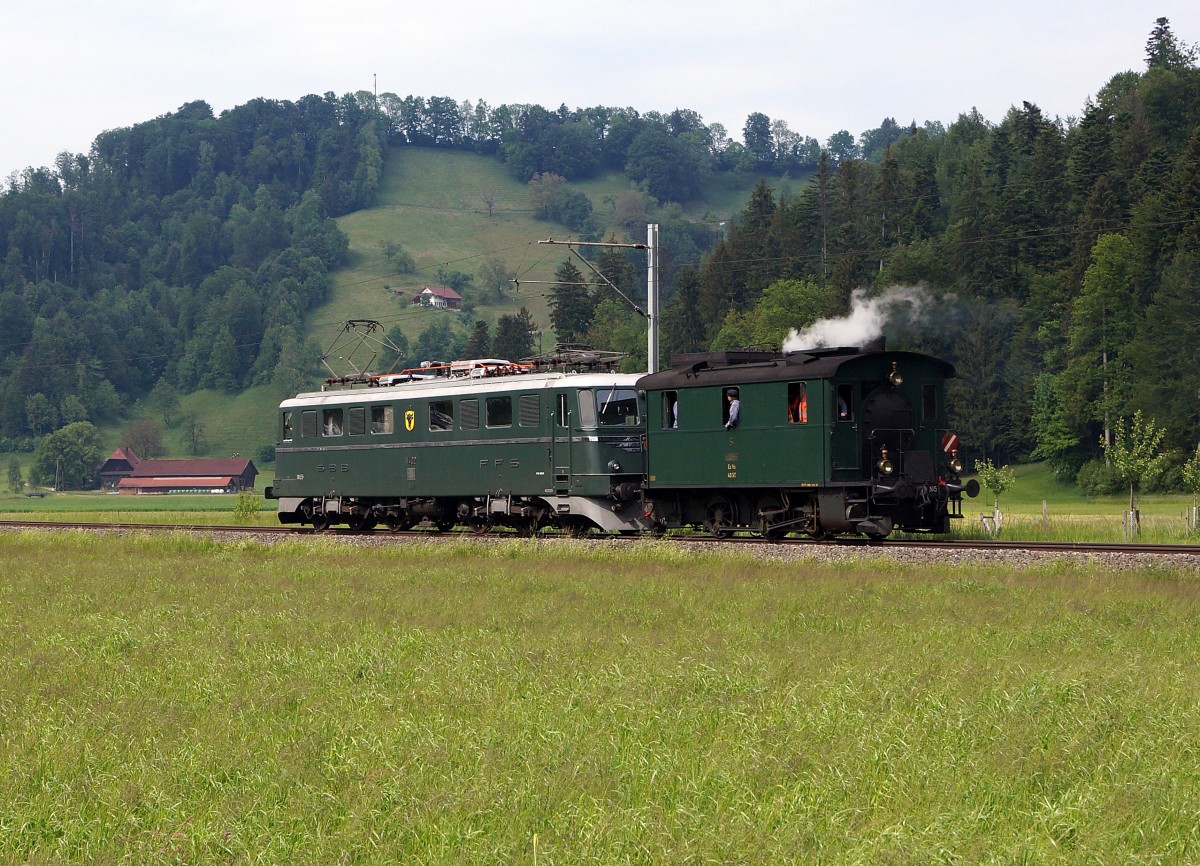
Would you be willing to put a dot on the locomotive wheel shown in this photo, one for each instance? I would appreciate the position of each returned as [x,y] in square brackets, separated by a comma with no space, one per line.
[397,523]
[769,504]
[480,525]
[719,517]
[359,523]
[321,522]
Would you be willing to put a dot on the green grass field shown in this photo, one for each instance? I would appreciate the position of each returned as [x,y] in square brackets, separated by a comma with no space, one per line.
[1069,515]
[176,700]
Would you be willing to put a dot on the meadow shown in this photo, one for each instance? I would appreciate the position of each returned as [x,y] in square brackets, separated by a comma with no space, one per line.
[170,699]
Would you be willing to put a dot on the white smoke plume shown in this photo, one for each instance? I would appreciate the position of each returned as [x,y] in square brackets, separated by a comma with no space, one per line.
[866,320]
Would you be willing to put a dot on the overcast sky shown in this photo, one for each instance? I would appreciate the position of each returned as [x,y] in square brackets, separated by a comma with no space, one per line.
[75,68]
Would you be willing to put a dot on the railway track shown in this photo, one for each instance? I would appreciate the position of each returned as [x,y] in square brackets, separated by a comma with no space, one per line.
[948,548]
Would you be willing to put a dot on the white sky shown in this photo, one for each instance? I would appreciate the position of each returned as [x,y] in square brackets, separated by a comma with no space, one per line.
[70,70]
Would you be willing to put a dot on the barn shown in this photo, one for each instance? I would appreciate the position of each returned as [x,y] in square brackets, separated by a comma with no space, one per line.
[201,475]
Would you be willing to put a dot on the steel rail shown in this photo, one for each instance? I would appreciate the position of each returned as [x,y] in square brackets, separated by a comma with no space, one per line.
[1085,547]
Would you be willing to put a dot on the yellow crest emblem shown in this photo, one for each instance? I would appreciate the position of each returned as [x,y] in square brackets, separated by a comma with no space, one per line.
[410,420]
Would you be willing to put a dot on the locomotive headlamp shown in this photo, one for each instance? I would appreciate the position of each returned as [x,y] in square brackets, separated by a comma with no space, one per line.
[614,466]
[884,465]
[894,377]
[955,463]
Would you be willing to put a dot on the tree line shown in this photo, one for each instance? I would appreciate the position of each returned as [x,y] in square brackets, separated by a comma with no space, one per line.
[185,250]
[1060,258]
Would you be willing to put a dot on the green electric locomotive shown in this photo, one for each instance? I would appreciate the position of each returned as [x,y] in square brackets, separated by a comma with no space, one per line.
[481,443]
[824,442]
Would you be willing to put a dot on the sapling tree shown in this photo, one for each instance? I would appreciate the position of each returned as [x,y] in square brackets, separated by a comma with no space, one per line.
[1191,478]
[1135,454]
[996,479]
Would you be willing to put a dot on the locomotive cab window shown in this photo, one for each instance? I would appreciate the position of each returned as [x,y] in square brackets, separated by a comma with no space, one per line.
[844,400]
[382,419]
[287,426]
[308,422]
[331,422]
[670,407]
[356,420]
[797,403]
[587,409]
[499,411]
[617,407]
[441,415]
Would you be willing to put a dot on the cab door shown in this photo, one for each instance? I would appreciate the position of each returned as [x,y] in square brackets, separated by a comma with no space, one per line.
[845,459]
[560,442]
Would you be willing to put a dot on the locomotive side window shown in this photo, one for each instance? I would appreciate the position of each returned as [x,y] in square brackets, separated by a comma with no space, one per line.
[356,420]
[797,403]
[468,414]
[670,407]
[382,420]
[287,426]
[929,402]
[530,410]
[845,402]
[617,407]
[499,411]
[332,422]
[308,422]
[587,409]
[441,415]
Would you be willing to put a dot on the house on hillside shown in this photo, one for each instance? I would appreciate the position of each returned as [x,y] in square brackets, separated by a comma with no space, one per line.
[120,464]
[442,297]
[188,476]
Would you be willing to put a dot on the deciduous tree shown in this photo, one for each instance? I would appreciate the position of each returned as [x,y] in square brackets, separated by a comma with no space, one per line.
[1135,452]
[15,482]
[69,457]
[144,438]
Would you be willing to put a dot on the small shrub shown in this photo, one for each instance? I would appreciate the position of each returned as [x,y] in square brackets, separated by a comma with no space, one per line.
[246,509]
[1096,479]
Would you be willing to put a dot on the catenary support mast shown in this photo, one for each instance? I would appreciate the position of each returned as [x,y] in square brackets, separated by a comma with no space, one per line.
[652,289]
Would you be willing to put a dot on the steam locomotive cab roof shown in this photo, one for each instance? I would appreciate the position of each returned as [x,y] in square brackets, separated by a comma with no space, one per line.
[743,366]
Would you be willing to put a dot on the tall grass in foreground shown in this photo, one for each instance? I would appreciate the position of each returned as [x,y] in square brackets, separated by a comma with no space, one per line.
[174,700]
